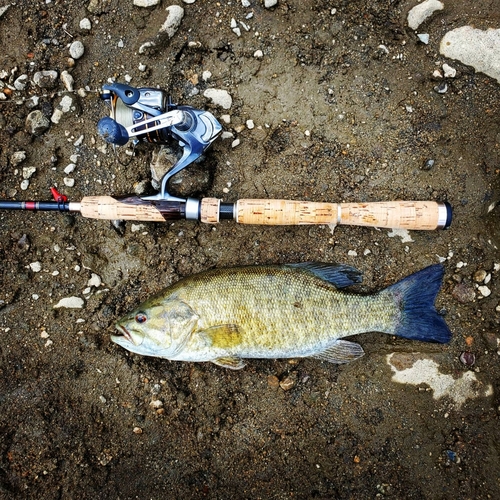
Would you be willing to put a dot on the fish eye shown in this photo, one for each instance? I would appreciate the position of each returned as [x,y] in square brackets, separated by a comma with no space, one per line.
[141,318]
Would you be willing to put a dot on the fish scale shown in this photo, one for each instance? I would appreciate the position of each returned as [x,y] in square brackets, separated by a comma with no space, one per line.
[295,310]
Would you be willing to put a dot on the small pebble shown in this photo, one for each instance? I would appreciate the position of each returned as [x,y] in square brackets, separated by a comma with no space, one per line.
[250,124]
[463,293]
[270,3]
[273,381]
[28,172]
[76,49]
[219,97]
[479,276]
[85,24]
[137,430]
[423,37]
[288,383]
[95,280]
[156,404]
[20,82]
[235,143]
[67,80]
[69,182]
[467,358]
[258,54]
[17,158]
[36,267]
[45,79]
[428,164]
[69,168]
[484,291]
[173,21]
[492,340]
[442,88]
[146,3]
[25,184]
[70,303]
[449,72]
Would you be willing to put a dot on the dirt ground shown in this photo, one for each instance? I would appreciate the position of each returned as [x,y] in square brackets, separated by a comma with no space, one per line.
[345,109]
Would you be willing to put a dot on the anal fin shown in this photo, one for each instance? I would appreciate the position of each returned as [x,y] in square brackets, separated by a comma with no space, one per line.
[342,351]
[231,362]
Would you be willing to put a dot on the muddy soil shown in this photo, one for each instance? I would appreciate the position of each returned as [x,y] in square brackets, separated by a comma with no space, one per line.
[344,108]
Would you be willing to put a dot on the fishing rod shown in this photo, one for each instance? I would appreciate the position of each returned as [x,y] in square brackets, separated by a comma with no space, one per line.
[414,215]
[148,114]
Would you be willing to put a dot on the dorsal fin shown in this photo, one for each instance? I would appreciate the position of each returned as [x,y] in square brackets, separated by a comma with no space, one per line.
[339,275]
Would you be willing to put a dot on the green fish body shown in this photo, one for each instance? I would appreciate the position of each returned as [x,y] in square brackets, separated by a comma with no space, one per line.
[287,311]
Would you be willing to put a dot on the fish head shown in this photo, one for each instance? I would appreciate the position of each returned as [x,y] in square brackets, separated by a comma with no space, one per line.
[157,327]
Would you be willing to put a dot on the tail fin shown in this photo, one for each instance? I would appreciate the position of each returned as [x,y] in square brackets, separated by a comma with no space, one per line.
[415,296]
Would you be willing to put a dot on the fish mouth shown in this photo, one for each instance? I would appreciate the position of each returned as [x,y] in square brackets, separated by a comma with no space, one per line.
[124,333]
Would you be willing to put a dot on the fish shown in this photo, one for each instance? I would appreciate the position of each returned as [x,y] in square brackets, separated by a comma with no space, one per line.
[279,311]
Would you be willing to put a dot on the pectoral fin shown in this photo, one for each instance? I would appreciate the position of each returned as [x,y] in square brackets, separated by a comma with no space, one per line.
[230,362]
[342,351]
[223,336]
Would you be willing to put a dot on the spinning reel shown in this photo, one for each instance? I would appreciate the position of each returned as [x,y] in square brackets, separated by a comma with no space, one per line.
[148,114]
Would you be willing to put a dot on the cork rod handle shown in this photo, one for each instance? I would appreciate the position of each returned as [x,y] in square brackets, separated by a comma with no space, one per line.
[424,215]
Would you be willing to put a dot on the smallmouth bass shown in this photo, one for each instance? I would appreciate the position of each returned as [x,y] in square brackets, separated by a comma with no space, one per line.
[282,311]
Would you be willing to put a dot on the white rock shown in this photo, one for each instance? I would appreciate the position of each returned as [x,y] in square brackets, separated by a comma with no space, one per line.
[219,97]
[484,291]
[423,11]
[76,49]
[270,3]
[85,24]
[146,3]
[449,72]
[4,9]
[474,47]
[69,168]
[28,172]
[36,267]
[67,80]
[70,303]
[95,280]
[20,82]
[25,184]
[145,46]
[235,143]
[141,67]
[69,181]
[225,118]
[237,31]
[423,37]
[17,158]
[56,116]
[66,104]
[258,54]
[135,228]
[206,75]
[352,253]
[250,124]
[174,18]
[245,3]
